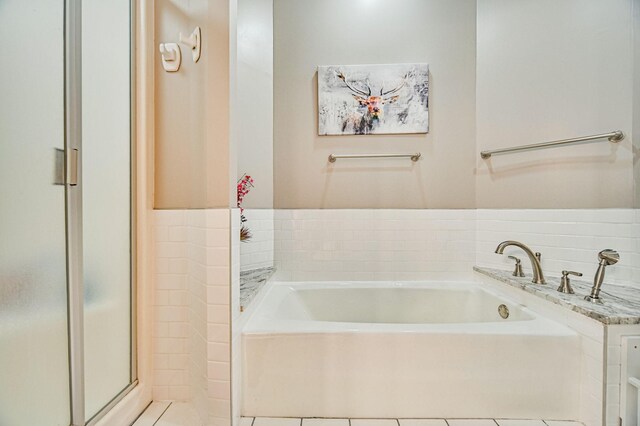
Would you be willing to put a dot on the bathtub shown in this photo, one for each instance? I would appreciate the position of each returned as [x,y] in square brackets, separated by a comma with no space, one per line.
[405,350]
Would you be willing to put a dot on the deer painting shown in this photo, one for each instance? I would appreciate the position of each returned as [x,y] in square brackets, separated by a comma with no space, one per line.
[354,99]
[372,106]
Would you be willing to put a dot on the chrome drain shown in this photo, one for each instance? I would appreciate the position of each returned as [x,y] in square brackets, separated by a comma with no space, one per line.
[503,311]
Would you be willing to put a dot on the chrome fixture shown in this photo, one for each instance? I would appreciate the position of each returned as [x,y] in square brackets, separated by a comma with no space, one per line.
[565,283]
[518,269]
[607,257]
[538,276]
[414,157]
[614,137]
[503,311]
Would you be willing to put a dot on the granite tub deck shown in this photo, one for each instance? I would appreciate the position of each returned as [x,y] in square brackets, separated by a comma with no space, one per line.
[621,305]
[251,282]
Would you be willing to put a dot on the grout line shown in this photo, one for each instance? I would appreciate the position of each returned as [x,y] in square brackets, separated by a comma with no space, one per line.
[165,410]
[140,415]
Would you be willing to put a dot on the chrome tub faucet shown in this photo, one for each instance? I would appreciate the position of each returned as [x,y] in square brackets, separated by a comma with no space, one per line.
[538,276]
[607,257]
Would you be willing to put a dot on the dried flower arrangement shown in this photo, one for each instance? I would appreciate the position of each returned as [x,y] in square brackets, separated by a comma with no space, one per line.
[244,186]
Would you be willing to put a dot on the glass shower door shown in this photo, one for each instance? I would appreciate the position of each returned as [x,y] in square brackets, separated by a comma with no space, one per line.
[106,195]
[34,363]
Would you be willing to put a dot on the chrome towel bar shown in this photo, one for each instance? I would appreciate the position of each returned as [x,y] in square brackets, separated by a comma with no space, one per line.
[616,136]
[414,157]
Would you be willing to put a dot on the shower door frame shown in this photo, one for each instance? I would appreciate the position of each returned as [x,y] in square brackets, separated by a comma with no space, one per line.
[73,210]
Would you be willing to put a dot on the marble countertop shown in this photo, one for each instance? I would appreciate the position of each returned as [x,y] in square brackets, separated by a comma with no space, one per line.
[251,282]
[621,305]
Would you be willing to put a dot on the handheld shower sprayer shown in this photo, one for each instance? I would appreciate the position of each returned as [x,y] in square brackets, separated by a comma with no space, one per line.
[607,257]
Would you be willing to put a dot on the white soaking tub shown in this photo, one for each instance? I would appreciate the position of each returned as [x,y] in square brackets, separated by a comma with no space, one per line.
[405,350]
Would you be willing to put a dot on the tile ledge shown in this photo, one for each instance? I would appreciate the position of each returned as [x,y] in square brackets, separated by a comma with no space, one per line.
[251,282]
[621,304]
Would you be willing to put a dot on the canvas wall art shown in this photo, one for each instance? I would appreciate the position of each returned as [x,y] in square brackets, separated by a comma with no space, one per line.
[373,99]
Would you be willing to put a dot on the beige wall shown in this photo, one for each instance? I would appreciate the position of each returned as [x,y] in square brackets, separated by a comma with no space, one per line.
[192,107]
[551,70]
[571,76]
[253,125]
[308,33]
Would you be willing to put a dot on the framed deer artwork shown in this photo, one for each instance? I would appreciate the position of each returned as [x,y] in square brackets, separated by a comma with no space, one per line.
[373,99]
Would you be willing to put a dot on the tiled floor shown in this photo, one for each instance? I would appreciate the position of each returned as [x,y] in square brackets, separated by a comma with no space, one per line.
[165,413]
[182,414]
[264,421]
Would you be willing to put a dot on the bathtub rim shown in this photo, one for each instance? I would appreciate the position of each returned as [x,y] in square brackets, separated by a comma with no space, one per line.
[259,323]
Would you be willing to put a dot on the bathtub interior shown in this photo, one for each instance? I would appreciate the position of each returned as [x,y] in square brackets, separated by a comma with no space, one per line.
[395,304]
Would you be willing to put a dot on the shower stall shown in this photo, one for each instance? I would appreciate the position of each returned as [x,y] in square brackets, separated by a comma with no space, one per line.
[67,290]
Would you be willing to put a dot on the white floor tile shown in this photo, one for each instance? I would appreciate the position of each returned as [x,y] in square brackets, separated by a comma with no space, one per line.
[420,422]
[273,421]
[152,413]
[373,422]
[325,422]
[505,422]
[562,423]
[471,422]
[246,421]
[180,414]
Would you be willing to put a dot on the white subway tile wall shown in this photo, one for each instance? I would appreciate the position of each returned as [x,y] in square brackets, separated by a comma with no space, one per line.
[236,329]
[258,252]
[635,255]
[192,304]
[420,244]
[319,245]
[567,239]
[198,258]
[171,308]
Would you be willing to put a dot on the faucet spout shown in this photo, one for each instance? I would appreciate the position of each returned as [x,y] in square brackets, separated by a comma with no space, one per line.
[538,276]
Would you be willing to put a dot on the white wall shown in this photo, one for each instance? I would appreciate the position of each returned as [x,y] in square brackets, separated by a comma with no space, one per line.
[374,244]
[258,252]
[191,341]
[550,70]
[567,239]
[171,308]
[253,131]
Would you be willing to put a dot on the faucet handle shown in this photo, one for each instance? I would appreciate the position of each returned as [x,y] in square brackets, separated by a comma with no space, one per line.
[538,256]
[518,269]
[565,282]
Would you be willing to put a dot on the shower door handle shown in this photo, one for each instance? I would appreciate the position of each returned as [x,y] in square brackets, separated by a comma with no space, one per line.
[72,172]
